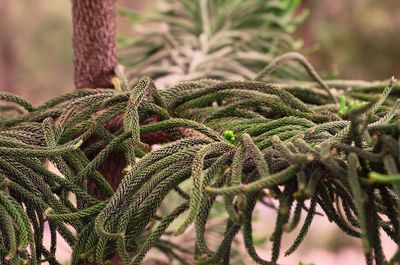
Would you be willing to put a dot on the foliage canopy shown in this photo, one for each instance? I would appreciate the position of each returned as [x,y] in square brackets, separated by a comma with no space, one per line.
[243,141]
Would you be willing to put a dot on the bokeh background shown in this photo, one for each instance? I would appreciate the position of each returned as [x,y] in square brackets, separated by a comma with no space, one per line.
[358,39]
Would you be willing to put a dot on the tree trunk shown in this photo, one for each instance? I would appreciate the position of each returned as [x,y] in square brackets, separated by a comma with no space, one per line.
[94,36]
[94,25]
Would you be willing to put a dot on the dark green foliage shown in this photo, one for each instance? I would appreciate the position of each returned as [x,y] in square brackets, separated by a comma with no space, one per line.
[243,141]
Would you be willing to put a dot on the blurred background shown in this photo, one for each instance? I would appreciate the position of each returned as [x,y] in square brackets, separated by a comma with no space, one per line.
[36,46]
[356,39]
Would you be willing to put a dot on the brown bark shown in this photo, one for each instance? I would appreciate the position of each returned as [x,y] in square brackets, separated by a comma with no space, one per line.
[94,36]
[94,26]
[94,43]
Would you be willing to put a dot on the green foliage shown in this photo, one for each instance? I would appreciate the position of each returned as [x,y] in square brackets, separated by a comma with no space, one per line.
[229,139]
[225,40]
[229,136]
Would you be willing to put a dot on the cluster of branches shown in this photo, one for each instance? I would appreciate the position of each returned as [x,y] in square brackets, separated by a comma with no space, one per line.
[222,39]
[239,142]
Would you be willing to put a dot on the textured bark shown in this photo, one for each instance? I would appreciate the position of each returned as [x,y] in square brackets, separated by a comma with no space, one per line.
[94,36]
[94,25]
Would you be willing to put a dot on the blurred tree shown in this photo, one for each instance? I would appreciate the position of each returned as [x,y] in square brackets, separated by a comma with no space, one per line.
[7,51]
[346,31]
[187,40]
[35,54]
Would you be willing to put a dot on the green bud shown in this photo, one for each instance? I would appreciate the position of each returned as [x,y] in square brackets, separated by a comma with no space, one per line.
[229,136]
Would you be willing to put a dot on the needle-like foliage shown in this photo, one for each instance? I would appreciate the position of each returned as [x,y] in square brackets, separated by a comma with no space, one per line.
[220,39]
[235,141]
